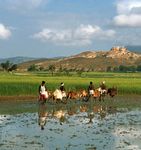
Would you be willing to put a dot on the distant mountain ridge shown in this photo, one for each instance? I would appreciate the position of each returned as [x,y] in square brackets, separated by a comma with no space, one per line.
[17,60]
[90,60]
[134,48]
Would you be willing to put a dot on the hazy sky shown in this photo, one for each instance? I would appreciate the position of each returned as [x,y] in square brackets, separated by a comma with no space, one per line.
[50,28]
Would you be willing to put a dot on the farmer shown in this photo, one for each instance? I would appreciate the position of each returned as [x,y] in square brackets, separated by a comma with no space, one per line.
[43,94]
[62,89]
[91,89]
[103,87]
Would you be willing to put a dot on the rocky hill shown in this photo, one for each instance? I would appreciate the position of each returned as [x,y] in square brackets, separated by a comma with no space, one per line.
[115,52]
[90,60]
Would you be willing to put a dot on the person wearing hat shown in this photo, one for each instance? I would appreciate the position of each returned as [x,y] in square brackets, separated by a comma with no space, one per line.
[43,94]
[103,87]
[62,89]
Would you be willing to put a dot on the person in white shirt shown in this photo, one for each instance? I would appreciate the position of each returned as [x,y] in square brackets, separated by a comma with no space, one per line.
[62,89]
[43,94]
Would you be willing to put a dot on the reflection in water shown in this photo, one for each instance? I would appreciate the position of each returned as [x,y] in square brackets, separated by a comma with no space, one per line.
[83,108]
[90,116]
[42,114]
[60,114]
[63,112]
[85,126]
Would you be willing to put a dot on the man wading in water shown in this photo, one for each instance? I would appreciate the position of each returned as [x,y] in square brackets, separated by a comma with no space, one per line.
[43,94]
[90,90]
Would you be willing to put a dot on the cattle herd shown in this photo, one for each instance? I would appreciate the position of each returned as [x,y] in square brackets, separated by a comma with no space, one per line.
[83,95]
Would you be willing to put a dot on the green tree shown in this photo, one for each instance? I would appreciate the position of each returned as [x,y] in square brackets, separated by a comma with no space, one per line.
[13,67]
[60,69]
[116,69]
[32,68]
[123,68]
[52,69]
[131,68]
[109,69]
[41,68]
[79,72]
[139,68]
[7,66]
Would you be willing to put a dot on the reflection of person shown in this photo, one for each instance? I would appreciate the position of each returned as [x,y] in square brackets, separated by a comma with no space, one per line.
[43,94]
[63,90]
[91,88]
[42,116]
[90,116]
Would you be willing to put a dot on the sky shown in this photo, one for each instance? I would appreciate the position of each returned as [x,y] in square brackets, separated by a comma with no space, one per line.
[53,28]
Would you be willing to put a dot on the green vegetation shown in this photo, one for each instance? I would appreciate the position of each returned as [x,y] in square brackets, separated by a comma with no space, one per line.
[123,68]
[17,84]
[8,66]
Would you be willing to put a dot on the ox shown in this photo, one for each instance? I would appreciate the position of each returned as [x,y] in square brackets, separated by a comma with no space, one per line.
[73,95]
[96,95]
[112,91]
[58,95]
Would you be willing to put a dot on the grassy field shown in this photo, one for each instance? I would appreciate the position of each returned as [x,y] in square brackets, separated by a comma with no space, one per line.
[26,84]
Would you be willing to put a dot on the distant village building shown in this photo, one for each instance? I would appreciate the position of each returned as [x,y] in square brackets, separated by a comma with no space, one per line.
[119,48]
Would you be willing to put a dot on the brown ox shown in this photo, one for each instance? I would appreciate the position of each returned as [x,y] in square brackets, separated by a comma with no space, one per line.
[95,95]
[112,91]
[84,95]
[73,95]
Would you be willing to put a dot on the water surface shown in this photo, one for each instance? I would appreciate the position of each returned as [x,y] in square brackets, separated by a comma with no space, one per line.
[84,126]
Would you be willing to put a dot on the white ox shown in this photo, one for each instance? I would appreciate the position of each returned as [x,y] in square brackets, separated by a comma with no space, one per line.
[58,95]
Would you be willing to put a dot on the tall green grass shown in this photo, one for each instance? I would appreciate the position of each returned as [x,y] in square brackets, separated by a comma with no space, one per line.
[27,84]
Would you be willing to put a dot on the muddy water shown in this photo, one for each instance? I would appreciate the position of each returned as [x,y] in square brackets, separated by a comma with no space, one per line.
[81,127]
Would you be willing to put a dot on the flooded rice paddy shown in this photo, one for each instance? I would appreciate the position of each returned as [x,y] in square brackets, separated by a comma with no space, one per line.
[84,126]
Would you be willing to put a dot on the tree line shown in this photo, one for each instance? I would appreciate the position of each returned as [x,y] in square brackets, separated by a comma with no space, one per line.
[8,66]
[53,69]
[123,68]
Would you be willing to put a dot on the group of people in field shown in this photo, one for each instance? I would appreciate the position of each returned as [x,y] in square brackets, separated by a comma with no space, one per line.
[60,93]
[102,88]
[43,92]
